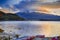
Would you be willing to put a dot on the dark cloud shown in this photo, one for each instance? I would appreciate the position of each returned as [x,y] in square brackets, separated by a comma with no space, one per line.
[3,1]
[24,4]
[58,1]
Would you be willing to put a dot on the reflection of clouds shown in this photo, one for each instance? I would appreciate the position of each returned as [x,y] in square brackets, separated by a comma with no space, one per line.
[25,28]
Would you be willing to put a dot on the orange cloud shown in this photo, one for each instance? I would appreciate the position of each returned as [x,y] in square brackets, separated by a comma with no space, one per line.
[43,9]
[46,9]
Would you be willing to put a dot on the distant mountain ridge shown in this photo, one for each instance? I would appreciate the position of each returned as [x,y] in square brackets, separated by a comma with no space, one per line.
[33,16]
[38,16]
[9,17]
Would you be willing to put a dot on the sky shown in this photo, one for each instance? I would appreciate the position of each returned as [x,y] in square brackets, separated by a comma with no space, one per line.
[45,6]
[31,28]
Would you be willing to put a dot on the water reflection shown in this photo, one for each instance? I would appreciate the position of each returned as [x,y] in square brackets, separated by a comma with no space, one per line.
[29,28]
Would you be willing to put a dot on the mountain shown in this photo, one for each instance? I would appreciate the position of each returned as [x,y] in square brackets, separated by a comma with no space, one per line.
[9,17]
[38,16]
[20,16]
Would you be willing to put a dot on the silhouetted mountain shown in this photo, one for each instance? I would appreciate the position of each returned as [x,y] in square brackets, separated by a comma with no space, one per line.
[9,17]
[28,16]
[38,16]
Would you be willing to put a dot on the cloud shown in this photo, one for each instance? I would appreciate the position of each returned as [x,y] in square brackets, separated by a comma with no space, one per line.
[0,7]
[46,7]
[44,1]
[19,4]
[29,4]
[24,4]
[10,2]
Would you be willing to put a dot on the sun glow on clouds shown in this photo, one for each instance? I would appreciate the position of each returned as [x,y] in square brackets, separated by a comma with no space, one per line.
[44,1]
[46,7]
[46,10]
[53,11]
[41,9]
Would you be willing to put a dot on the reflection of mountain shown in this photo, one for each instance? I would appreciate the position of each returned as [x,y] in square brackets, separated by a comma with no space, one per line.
[39,16]
[9,17]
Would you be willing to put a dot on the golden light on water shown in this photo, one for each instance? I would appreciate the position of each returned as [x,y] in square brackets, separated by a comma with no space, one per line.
[49,29]
[46,29]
